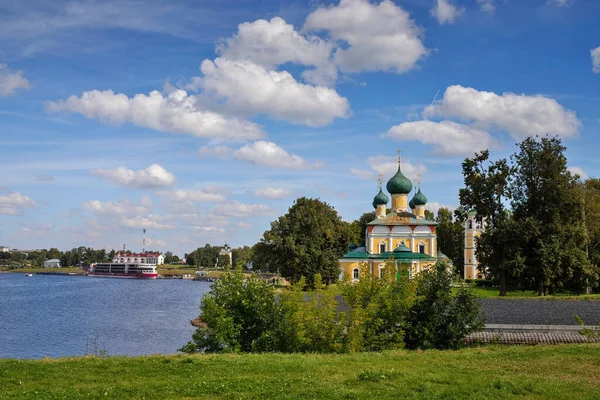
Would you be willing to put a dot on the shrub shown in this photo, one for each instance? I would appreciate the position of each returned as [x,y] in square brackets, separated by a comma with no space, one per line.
[239,315]
[440,318]
[379,307]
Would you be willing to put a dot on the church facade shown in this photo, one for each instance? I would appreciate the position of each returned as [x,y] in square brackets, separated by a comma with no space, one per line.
[403,234]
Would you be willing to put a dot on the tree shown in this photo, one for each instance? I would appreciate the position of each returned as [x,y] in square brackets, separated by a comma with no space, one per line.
[548,197]
[591,210]
[363,220]
[241,256]
[168,257]
[450,233]
[53,253]
[307,240]
[486,191]
[429,215]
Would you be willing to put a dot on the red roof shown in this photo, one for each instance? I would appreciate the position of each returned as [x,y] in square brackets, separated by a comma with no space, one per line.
[138,255]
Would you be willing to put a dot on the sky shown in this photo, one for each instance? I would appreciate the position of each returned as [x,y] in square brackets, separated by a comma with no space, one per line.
[202,121]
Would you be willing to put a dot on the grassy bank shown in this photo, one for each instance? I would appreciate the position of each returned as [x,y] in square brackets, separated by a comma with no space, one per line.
[490,292]
[32,270]
[556,372]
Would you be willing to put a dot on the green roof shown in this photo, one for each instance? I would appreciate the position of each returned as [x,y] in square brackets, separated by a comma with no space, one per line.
[399,184]
[411,204]
[401,253]
[401,218]
[381,198]
[419,199]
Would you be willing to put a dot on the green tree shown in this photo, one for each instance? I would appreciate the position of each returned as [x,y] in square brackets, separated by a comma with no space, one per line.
[307,240]
[486,191]
[450,233]
[168,257]
[591,209]
[441,318]
[53,253]
[241,256]
[548,196]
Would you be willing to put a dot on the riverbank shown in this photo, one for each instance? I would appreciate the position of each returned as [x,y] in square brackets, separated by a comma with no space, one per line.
[556,372]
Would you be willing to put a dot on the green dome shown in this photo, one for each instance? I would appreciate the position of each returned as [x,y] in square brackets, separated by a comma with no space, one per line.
[411,204]
[419,199]
[399,184]
[381,198]
[402,249]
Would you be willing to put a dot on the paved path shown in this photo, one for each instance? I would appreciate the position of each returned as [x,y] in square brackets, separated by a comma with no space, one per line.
[527,338]
[540,312]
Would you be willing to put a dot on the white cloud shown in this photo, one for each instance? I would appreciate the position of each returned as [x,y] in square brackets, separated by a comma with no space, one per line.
[155,243]
[595,60]
[244,225]
[181,195]
[447,137]
[149,222]
[155,176]
[14,203]
[251,89]
[488,6]
[388,166]
[560,3]
[578,171]
[177,112]
[446,12]
[272,43]
[269,154]
[520,115]
[378,37]
[272,193]
[434,206]
[123,207]
[221,152]
[237,209]
[10,81]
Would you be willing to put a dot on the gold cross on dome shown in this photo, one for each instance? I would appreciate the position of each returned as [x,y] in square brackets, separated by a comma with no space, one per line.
[399,152]
[419,178]
[380,180]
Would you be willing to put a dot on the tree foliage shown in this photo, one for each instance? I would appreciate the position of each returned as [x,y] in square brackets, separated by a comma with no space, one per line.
[450,234]
[308,240]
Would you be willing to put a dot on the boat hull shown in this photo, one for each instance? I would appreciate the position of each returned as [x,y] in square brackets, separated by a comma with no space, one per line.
[125,276]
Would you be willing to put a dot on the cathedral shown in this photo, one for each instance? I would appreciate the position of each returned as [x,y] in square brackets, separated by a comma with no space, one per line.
[403,234]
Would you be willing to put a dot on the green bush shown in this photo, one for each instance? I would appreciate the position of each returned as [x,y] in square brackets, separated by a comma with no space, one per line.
[439,317]
[379,307]
[239,315]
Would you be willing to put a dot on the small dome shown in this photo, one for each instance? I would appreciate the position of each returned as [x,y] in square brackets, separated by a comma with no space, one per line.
[411,204]
[381,198]
[419,199]
[402,249]
[399,184]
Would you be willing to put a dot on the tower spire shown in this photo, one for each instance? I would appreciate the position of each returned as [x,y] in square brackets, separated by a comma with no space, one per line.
[399,153]
[419,180]
[379,181]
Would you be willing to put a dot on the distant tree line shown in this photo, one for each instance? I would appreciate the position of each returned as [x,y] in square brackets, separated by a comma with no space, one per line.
[209,257]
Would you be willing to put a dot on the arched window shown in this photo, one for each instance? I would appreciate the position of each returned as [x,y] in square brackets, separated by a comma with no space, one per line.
[422,248]
[381,247]
[355,274]
[470,224]
[381,271]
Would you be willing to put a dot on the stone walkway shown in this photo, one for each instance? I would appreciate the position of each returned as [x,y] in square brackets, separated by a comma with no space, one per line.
[541,312]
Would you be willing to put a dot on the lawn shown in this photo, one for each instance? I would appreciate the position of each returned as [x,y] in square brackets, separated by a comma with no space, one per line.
[539,372]
[492,292]
[32,270]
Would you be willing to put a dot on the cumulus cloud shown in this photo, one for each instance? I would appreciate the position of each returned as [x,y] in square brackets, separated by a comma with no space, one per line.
[177,112]
[272,193]
[387,166]
[269,154]
[123,207]
[595,60]
[10,81]
[155,243]
[560,3]
[221,152]
[14,203]
[447,137]
[249,88]
[434,206]
[148,222]
[237,209]
[579,171]
[446,12]
[155,176]
[520,115]
[244,225]
[378,36]
[488,6]
[193,196]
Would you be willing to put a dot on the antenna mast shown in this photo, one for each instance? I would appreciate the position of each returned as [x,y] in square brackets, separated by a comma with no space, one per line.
[144,241]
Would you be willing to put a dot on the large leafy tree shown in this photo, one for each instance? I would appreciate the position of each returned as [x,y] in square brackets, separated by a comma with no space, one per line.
[307,240]
[450,233]
[548,197]
[486,191]
[591,209]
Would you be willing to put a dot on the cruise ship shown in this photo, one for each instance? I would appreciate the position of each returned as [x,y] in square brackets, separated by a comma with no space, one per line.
[133,266]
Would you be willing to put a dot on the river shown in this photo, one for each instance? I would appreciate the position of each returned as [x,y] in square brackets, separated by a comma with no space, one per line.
[61,316]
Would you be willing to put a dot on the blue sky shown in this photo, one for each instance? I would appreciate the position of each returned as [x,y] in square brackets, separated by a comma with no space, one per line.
[202,121]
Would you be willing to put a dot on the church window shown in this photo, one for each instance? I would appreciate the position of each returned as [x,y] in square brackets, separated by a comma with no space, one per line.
[470,224]
[422,248]
[380,272]
[355,273]
[382,248]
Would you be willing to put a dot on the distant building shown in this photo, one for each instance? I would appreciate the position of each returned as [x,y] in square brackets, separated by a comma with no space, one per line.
[473,229]
[53,263]
[226,251]
[4,249]
[143,258]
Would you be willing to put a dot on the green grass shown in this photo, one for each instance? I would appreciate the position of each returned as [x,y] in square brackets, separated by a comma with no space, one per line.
[486,293]
[540,372]
[32,270]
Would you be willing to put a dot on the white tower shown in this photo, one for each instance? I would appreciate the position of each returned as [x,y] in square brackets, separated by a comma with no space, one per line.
[473,229]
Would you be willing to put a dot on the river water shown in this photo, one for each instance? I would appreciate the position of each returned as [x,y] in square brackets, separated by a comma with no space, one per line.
[60,316]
